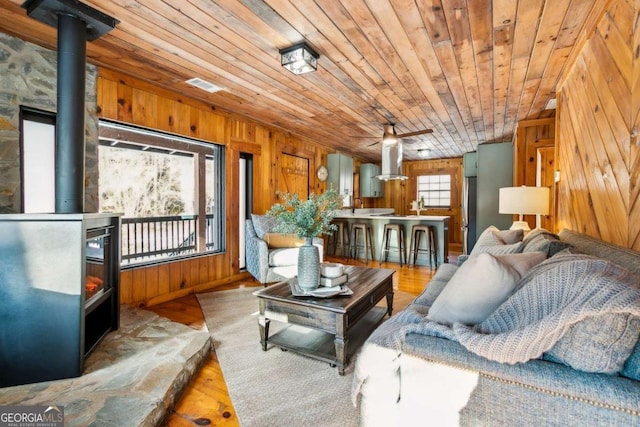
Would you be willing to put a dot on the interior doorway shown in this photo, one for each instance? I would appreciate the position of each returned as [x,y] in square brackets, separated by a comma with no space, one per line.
[245,202]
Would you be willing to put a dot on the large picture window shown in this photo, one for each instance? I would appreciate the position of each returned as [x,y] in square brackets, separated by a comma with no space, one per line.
[435,190]
[169,189]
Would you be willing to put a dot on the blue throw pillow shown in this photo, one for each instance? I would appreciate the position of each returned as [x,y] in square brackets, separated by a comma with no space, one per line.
[263,224]
[599,344]
[632,365]
[540,240]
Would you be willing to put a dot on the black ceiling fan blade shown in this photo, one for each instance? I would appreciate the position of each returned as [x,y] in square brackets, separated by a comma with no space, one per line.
[419,132]
[371,145]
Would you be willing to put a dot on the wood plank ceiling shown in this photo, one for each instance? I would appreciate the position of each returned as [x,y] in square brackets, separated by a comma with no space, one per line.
[469,70]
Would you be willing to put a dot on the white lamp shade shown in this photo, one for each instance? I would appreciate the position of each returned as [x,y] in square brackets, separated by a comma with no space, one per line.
[524,200]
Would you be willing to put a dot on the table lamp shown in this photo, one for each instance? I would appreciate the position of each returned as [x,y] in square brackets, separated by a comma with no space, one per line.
[523,201]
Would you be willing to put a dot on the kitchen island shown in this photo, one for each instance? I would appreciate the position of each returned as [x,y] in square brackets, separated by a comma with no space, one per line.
[377,221]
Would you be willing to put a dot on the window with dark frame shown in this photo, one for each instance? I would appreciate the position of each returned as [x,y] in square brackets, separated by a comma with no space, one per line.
[170,189]
[435,190]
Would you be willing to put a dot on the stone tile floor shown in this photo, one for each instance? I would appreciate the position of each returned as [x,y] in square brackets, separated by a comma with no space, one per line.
[133,377]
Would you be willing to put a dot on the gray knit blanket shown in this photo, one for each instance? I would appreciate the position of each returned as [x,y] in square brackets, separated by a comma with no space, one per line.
[548,300]
[552,296]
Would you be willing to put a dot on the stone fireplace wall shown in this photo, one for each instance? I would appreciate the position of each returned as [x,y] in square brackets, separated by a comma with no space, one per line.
[29,79]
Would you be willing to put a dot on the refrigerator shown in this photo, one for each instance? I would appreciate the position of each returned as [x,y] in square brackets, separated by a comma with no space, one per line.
[469,195]
[486,170]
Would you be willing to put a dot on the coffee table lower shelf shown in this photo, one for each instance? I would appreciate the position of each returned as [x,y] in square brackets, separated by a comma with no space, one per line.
[319,344]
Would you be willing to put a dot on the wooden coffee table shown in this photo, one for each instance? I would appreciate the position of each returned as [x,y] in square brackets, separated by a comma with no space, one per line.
[333,327]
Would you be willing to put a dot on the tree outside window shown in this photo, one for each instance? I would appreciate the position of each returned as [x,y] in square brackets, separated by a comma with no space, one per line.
[142,183]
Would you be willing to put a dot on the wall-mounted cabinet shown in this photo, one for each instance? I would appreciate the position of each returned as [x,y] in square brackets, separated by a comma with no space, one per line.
[470,164]
[370,186]
[340,168]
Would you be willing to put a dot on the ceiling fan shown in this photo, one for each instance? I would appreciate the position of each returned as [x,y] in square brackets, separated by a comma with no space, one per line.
[390,135]
[392,152]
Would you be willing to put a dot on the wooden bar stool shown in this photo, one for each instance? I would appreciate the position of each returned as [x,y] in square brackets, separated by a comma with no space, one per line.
[430,238]
[400,247]
[339,239]
[361,230]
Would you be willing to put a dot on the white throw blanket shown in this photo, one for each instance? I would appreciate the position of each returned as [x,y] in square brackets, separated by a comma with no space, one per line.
[553,296]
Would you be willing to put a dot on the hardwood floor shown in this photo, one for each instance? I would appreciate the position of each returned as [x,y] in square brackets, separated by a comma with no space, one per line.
[206,400]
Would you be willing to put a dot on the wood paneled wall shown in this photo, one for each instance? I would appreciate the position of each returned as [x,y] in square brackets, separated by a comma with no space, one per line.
[598,121]
[399,194]
[126,99]
[129,100]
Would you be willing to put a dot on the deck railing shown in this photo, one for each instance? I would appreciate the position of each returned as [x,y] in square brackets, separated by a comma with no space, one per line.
[153,238]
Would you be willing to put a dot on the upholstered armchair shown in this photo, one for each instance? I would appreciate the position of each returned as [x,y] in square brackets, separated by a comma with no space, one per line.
[272,257]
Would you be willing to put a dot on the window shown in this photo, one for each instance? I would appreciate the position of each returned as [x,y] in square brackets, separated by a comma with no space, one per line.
[37,153]
[170,190]
[435,190]
[141,181]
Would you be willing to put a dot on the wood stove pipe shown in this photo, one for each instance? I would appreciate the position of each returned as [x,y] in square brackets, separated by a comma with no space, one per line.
[70,144]
[76,23]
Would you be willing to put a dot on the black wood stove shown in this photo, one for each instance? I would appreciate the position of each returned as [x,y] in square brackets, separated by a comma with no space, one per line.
[59,292]
[60,272]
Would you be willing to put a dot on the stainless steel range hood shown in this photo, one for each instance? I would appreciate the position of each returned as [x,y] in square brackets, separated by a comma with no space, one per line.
[391,161]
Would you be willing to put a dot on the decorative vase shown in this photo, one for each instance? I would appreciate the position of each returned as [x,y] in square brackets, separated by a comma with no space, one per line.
[308,265]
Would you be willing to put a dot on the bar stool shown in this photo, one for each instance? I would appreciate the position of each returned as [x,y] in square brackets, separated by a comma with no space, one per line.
[361,230]
[414,247]
[339,239]
[400,247]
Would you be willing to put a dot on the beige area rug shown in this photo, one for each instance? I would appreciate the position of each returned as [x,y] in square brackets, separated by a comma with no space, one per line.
[275,388]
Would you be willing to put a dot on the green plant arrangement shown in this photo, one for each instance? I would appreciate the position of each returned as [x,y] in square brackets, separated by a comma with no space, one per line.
[309,218]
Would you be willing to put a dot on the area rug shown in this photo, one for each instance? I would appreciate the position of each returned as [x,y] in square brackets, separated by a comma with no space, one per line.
[275,388]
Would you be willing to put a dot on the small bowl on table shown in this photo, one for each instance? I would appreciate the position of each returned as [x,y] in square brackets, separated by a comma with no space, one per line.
[331,269]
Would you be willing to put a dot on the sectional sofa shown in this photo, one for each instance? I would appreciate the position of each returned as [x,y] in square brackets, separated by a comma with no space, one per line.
[559,346]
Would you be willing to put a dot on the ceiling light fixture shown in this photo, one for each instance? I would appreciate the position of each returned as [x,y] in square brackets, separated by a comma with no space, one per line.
[299,59]
[552,104]
[391,155]
[424,153]
[389,136]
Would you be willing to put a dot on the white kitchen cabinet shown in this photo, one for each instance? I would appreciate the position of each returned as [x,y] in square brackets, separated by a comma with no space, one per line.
[370,186]
[340,169]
